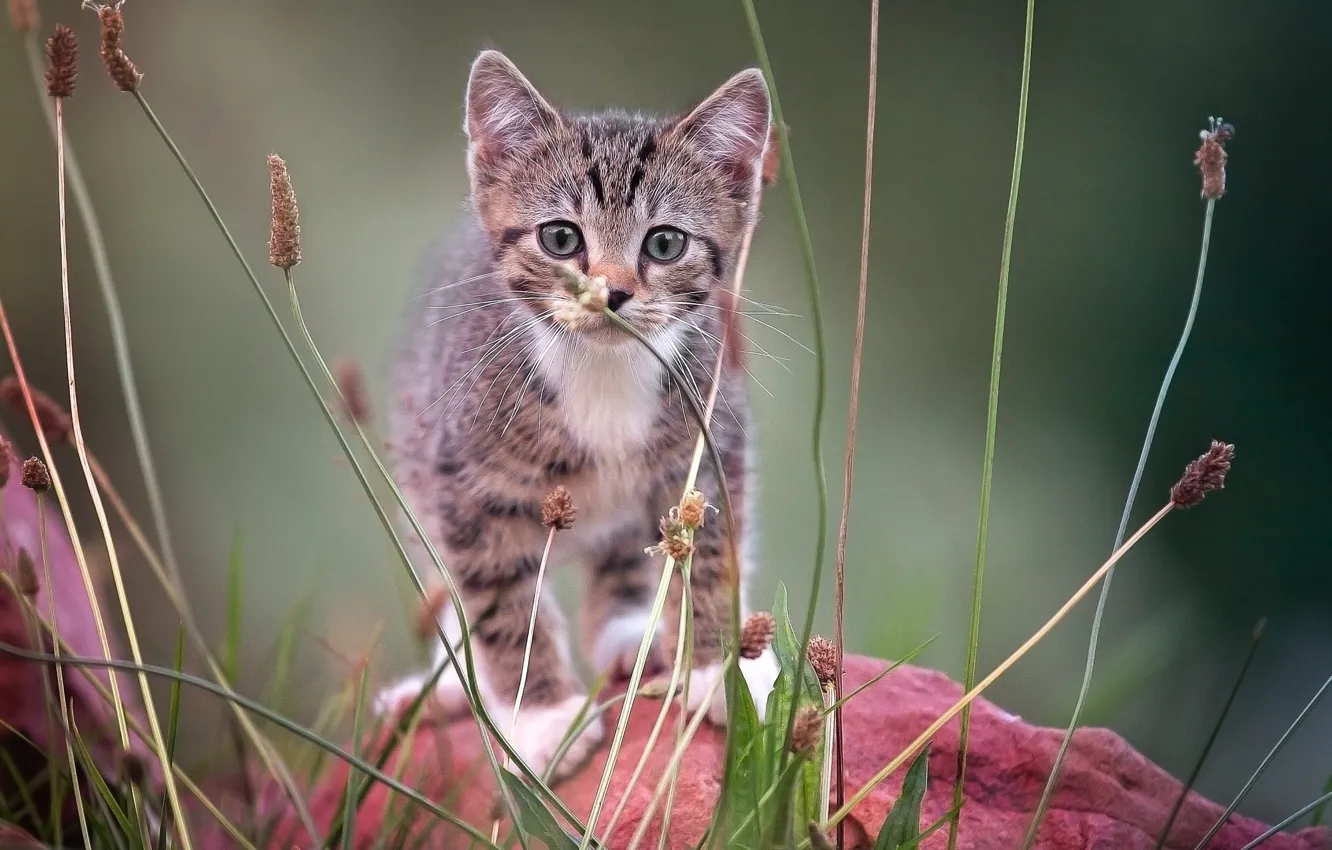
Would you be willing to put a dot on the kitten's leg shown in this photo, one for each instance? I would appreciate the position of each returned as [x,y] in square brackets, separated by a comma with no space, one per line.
[710,591]
[621,584]
[494,556]
[552,694]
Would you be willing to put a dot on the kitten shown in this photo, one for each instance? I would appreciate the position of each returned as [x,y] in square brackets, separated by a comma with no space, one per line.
[501,402]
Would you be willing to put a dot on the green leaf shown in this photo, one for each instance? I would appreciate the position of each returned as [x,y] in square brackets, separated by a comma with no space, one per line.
[903,823]
[231,651]
[534,818]
[747,764]
[794,668]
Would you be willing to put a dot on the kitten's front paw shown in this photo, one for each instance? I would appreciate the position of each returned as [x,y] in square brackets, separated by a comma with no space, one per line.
[448,699]
[760,674]
[616,649]
[539,731]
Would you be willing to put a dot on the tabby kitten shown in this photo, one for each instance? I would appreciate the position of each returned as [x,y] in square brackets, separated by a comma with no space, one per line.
[501,401]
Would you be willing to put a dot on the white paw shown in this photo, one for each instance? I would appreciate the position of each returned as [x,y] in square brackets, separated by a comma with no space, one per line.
[448,697]
[616,648]
[539,732]
[760,675]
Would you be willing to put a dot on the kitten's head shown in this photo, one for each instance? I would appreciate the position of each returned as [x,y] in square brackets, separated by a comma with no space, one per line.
[658,207]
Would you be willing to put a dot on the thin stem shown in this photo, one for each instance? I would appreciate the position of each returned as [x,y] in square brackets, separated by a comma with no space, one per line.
[677,755]
[991,422]
[115,317]
[852,413]
[1147,441]
[1017,655]
[1211,739]
[527,655]
[1262,767]
[175,594]
[479,713]
[130,636]
[821,390]
[59,668]
[478,710]
[1275,829]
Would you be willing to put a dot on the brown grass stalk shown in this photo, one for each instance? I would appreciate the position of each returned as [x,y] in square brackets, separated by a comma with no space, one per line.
[1003,667]
[853,410]
[93,490]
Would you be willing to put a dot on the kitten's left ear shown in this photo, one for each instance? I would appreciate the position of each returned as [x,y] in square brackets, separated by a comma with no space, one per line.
[732,126]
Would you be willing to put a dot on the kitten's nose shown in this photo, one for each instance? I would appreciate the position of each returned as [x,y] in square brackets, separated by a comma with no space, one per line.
[617,298]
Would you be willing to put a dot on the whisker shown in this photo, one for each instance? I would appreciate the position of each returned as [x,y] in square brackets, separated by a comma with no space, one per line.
[462,282]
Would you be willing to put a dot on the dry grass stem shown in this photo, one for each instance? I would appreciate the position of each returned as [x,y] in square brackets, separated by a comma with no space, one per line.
[93,490]
[852,412]
[1003,667]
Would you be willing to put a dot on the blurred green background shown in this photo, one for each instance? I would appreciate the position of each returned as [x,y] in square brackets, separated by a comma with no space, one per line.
[364,102]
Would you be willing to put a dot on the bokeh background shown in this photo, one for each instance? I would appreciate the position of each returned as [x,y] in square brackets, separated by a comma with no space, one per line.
[364,102]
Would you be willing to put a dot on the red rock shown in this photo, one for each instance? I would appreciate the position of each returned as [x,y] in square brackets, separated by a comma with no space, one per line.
[1110,796]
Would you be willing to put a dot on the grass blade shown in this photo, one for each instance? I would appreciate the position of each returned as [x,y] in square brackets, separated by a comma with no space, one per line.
[231,651]
[173,729]
[991,420]
[820,351]
[1216,730]
[1262,766]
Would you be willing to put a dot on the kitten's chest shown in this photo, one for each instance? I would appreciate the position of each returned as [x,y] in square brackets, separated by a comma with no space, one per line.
[609,399]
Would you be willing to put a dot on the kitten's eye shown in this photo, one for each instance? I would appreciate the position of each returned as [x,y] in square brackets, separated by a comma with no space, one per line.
[665,244]
[560,239]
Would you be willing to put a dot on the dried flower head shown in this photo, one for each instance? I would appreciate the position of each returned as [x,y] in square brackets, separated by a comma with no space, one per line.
[51,417]
[26,574]
[429,612]
[808,730]
[590,295]
[284,239]
[676,541]
[1203,475]
[118,66]
[558,510]
[1211,157]
[693,509]
[6,461]
[35,475]
[822,655]
[351,385]
[818,839]
[23,15]
[62,54]
[756,634]
[132,768]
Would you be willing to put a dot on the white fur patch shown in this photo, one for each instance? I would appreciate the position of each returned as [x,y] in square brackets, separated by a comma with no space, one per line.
[609,394]
[539,731]
[760,675]
[616,648]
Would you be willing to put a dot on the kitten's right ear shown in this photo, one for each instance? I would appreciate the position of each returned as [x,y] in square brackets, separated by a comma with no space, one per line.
[504,114]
